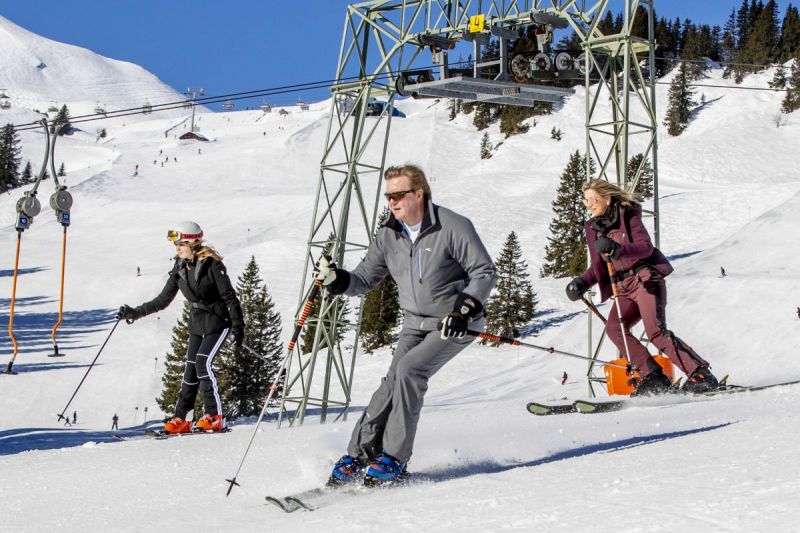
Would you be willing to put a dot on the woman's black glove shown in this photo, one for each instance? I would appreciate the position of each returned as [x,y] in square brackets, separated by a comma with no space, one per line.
[128,313]
[606,246]
[238,335]
[576,288]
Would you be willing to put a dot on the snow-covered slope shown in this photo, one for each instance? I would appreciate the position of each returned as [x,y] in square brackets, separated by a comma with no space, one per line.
[728,193]
[38,72]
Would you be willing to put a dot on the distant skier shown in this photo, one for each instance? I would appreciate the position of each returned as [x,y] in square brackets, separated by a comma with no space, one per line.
[564,378]
[444,275]
[114,422]
[798,312]
[74,417]
[201,276]
[722,272]
[138,271]
[615,233]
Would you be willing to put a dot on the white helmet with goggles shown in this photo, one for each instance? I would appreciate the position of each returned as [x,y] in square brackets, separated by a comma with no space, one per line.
[185,233]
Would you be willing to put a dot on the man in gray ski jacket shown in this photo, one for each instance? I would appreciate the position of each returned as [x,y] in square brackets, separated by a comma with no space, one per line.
[444,275]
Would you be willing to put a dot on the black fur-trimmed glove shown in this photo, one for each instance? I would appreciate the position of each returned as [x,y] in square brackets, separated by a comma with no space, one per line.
[455,325]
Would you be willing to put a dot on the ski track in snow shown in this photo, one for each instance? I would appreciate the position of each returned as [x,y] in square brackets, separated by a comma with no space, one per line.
[729,188]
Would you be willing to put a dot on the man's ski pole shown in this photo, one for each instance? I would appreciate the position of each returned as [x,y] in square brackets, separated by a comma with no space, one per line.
[61,416]
[315,289]
[514,342]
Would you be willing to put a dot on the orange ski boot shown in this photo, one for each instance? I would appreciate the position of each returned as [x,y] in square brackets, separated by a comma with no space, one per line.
[178,425]
[210,423]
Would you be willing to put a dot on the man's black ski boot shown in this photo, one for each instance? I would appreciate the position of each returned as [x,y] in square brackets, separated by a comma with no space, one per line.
[702,380]
[653,384]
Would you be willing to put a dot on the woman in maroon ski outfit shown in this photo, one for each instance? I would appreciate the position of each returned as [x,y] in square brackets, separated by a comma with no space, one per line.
[615,233]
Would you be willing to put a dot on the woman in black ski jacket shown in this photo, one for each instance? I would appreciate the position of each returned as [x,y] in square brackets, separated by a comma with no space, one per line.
[203,280]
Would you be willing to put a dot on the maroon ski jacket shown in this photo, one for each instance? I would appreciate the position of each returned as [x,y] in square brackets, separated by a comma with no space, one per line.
[637,249]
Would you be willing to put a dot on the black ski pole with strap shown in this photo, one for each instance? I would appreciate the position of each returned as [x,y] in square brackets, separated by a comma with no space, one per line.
[61,416]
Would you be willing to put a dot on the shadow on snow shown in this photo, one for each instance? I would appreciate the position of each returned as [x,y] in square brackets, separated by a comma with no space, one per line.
[467,470]
[32,330]
[21,272]
[543,323]
[13,441]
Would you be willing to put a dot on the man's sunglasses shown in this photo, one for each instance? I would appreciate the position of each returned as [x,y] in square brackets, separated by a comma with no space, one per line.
[398,195]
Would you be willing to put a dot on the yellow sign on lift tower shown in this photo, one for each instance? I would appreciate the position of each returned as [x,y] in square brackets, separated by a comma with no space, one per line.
[476,23]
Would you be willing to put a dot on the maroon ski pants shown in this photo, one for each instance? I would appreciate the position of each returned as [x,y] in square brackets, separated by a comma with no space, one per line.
[643,296]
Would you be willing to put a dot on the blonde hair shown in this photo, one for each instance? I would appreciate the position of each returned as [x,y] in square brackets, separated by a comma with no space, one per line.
[604,188]
[416,177]
[202,250]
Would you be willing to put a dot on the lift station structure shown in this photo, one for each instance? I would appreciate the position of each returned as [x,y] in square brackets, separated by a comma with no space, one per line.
[383,44]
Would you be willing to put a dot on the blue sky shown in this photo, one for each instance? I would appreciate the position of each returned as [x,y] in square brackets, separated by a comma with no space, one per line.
[228,47]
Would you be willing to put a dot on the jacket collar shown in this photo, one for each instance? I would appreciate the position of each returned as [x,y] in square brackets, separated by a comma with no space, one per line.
[429,219]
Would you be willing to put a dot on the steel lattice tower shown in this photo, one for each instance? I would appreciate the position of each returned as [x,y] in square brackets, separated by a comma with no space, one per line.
[382,42]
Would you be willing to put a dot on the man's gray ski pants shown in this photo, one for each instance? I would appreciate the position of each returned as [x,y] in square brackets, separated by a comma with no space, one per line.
[390,421]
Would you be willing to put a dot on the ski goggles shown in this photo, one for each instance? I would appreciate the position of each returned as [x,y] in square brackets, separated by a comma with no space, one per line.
[177,237]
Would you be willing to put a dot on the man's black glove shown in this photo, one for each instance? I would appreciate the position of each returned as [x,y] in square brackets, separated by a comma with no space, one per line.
[335,280]
[238,335]
[604,245]
[454,325]
[126,312]
[576,288]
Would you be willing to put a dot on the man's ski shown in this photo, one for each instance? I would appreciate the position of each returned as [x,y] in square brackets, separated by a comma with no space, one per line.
[313,499]
[558,407]
[161,434]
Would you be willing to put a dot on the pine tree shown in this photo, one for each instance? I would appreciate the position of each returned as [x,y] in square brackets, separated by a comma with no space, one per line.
[244,376]
[486,147]
[9,158]
[381,309]
[790,33]
[565,253]
[175,362]
[511,117]
[791,102]
[513,301]
[555,133]
[743,24]
[62,117]
[644,187]
[728,44]
[26,178]
[453,111]
[482,116]
[62,171]
[680,103]
[779,78]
